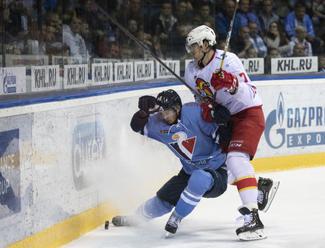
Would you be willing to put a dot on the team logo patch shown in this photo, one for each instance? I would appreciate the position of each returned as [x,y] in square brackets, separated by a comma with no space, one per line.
[183,145]
[203,88]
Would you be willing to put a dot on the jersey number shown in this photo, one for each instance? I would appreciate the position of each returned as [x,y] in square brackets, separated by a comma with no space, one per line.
[243,75]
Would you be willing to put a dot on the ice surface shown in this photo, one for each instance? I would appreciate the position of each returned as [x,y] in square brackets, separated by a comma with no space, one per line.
[295,219]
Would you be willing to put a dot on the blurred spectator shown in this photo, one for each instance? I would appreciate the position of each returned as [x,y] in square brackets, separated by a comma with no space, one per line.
[257,40]
[203,16]
[318,17]
[55,21]
[245,15]
[87,35]
[251,53]
[165,22]
[281,8]
[114,50]
[183,14]
[31,44]
[163,25]
[267,16]
[102,46]
[129,48]
[321,63]
[275,38]
[223,18]
[50,5]
[301,40]
[73,39]
[298,50]
[272,53]
[318,11]
[241,44]
[4,22]
[18,18]
[49,43]
[133,10]
[90,12]
[299,17]
[177,41]
[221,44]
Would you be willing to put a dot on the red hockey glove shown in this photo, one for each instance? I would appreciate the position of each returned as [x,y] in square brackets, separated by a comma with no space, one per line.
[223,79]
[207,111]
[213,112]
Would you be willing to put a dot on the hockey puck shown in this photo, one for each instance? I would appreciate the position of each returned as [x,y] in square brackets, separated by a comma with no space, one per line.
[106,224]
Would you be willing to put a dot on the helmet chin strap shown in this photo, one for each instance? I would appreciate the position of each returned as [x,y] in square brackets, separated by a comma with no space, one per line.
[200,62]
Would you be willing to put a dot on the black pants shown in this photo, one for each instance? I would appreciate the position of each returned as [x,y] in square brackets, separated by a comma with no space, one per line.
[173,188]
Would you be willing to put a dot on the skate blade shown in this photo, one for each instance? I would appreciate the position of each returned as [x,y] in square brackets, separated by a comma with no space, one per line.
[169,235]
[272,194]
[250,236]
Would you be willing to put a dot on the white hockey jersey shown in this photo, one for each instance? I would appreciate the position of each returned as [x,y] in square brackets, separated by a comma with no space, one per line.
[199,79]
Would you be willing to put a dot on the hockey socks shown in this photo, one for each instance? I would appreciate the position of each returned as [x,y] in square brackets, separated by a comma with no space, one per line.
[154,208]
[199,183]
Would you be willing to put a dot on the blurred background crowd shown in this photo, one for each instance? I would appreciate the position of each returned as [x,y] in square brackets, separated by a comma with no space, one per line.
[262,28]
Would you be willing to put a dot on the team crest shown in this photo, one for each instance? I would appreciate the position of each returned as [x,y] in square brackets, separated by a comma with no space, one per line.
[203,88]
[183,146]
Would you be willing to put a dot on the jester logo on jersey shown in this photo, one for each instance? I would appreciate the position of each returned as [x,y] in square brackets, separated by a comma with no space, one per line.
[203,88]
[183,146]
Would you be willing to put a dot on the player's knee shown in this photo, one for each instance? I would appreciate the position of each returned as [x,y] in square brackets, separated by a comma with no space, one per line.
[220,183]
[200,182]
[239,165]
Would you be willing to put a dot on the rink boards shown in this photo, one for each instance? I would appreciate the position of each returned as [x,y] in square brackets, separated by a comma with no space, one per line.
[62,161]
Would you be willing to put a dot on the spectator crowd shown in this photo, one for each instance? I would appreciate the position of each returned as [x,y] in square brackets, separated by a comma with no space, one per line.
[262,28]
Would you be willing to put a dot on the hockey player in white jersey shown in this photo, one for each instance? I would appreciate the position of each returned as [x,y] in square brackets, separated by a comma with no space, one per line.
[232,88]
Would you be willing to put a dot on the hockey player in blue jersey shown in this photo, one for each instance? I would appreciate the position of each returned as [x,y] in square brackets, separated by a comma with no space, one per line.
[193,141]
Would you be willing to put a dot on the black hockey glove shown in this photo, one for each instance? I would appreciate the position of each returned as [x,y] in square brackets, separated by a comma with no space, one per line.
[224,135]
[146,103]
[213,112]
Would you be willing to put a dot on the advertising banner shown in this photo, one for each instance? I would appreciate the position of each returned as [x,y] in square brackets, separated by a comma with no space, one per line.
[295,122]
[253,65]
[144,70]
[162,72]
[45,78]
[88,149]
[102,73]
[12,80]
[123,72]
[294,65]
[10,201]
[75,76]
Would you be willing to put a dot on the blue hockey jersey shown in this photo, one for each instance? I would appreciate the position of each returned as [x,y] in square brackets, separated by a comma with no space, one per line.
[191,139]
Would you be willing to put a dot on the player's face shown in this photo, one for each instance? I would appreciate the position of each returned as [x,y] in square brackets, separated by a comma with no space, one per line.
[169,116]
[196,52]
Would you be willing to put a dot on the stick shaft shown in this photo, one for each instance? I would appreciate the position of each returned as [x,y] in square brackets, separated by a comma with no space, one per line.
[229,36]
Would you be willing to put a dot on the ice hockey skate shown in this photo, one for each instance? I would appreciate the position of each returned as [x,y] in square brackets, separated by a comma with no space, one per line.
[267,189]
[253,226]
[172,224]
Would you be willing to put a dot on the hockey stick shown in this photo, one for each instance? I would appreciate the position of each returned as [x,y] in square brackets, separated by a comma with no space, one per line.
[146,48]
[228,36]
